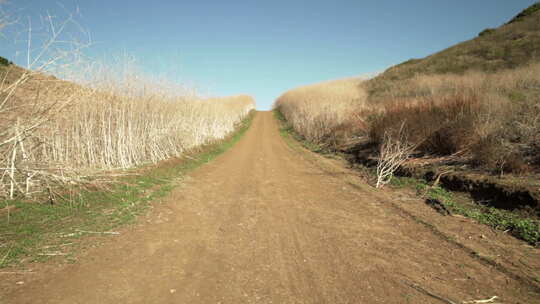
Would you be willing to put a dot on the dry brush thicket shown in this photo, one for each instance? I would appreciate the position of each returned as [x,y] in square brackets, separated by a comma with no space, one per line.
[54,131]
[494,119]
[491,120]
[111,117]
[477,101]
[323,113]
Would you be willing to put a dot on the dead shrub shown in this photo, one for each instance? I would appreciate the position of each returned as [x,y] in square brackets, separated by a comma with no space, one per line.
[492,119]
[496,154]
[322,113]
[440,126]
[394,151]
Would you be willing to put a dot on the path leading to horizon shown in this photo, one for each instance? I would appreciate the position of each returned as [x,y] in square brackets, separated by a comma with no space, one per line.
[263,224]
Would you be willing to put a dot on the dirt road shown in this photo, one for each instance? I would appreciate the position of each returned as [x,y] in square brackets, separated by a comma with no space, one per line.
[261,224]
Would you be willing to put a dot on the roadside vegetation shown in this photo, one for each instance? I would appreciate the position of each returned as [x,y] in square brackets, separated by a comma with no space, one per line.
[323,113]
[38,231]
[474,107]
[97,116]
[446,202]
[86,144]
[57,132]
[491,119]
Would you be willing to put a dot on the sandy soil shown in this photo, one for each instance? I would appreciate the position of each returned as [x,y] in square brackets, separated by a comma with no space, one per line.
[263,223]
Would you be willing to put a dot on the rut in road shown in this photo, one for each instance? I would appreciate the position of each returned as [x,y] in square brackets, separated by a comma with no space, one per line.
[261,224]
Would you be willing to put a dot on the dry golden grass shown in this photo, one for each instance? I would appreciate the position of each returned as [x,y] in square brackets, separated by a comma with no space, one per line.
[54,131]
[452,113]
[99,117]
[323,113]
[491,119]
[479,99]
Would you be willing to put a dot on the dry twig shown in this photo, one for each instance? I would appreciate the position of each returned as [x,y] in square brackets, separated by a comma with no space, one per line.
[490,300]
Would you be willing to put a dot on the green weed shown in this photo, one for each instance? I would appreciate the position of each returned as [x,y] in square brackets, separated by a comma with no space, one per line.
[486,32]
[4,61]
[523,228]
[526,12]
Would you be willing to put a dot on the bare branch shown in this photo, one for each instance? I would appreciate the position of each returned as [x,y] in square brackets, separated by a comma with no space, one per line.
[394,152]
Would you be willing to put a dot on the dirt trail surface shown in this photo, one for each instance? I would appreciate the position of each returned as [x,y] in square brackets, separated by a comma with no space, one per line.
[262,224]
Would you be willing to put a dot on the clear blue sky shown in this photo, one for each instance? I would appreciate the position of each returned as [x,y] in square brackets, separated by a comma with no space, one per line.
[264,48]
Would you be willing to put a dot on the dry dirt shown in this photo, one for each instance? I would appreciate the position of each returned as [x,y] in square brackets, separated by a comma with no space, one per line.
[266,223]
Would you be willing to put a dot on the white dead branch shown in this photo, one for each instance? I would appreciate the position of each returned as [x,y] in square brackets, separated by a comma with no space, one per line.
[394,152]
[490,300]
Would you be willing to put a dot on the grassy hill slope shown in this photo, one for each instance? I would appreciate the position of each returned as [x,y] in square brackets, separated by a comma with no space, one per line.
[514,44]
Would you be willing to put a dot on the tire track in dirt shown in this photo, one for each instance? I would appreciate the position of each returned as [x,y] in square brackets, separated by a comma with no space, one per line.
[260,224]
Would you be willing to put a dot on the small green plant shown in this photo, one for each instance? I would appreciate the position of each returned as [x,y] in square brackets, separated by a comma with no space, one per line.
[523,228]
[526,229]
[4,61]
[517,96]
[486,32]
[402,182]
[526,12]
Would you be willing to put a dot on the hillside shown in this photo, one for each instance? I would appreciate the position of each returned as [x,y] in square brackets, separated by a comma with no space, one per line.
[466,118]
[480,97]
[512,45]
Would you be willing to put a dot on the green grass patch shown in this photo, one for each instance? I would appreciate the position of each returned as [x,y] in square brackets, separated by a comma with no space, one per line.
[509,46]
[526,229]
[486,32]
[526,12]
[4,61]
[286,130]
[33,231]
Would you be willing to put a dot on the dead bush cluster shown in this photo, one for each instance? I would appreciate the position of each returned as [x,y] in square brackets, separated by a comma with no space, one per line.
[59,130]
[491,117]
[324,113]
[108,116]
[438,126]
[479,100]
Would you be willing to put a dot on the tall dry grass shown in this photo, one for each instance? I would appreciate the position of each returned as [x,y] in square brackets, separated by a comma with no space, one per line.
[324,113]
[54,131]
[108,117]
[491,120]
